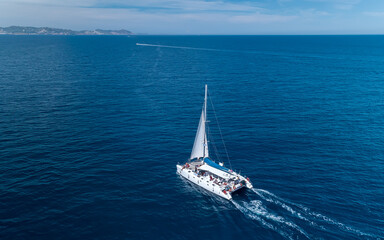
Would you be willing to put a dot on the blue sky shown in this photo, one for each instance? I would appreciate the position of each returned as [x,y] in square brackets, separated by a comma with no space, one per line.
[201,16]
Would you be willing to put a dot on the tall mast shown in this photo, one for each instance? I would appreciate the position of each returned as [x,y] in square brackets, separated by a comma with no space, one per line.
[205,120]
[205,103]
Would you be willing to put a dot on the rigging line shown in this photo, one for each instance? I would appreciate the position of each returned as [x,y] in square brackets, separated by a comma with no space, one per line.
[222,139]
[214,145]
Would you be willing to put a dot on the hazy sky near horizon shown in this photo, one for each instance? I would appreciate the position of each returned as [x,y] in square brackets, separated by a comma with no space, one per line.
[201,16]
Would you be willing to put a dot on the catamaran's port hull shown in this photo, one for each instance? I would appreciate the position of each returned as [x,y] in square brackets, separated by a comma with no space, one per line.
[204,183]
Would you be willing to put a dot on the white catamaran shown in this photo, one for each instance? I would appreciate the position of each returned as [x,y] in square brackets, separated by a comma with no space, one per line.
[201,170]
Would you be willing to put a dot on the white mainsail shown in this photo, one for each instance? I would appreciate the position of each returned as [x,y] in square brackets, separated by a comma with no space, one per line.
[200,146]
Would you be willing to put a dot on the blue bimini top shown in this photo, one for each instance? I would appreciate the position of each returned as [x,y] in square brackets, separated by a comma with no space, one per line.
[215,165]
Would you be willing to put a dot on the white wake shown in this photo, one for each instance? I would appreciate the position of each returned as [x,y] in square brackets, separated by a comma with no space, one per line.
[290,221]
[182,47]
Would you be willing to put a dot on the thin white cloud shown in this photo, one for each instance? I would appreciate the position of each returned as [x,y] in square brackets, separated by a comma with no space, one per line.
[337,1]
[310,13]
[198,5]
[185,5]
[339,4]
[374,14]
[57,3]
[261,18]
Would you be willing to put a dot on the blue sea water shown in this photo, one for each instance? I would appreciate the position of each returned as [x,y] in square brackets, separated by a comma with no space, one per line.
[92,129]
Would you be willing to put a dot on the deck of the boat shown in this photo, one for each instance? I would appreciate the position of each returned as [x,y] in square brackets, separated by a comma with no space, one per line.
[234,184]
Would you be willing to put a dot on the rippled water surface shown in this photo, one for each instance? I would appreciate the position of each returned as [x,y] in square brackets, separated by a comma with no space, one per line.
[92,128]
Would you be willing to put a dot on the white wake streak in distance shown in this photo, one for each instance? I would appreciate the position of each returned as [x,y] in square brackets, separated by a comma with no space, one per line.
[181,47]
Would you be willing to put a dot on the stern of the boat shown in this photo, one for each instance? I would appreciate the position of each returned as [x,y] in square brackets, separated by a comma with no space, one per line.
[228,196]
[248,184]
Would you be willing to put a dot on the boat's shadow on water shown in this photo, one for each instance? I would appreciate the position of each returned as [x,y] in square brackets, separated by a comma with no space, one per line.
[288,219]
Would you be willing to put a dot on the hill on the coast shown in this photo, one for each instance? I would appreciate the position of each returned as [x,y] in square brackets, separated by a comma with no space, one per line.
[19,30]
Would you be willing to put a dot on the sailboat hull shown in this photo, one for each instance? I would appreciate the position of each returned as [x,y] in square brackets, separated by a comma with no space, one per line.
[205,182]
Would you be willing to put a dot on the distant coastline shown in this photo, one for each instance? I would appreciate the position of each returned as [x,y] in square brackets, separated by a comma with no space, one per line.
[20,30]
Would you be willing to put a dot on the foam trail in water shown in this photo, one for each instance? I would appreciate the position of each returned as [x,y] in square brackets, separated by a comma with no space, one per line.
[340,225]
[283,203]
[262,221]
[257,207]
[181,47]
[280,54]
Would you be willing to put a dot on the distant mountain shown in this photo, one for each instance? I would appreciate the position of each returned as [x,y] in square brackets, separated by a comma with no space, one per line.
[18,30]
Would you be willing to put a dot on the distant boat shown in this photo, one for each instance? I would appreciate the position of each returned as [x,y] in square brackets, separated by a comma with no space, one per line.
[201,170]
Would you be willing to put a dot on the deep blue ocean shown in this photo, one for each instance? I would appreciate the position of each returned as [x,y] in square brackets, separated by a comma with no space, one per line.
[92,127]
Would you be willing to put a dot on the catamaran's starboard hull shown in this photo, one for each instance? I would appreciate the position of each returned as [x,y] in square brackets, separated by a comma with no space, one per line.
[204,183]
